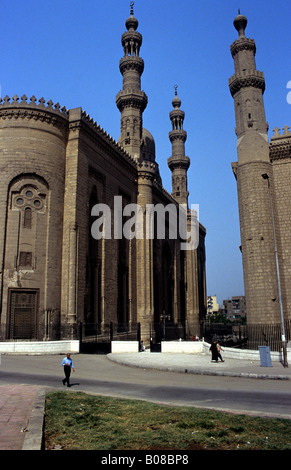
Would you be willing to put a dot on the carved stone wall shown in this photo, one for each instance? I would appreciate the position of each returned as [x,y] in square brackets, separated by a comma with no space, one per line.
[32,159]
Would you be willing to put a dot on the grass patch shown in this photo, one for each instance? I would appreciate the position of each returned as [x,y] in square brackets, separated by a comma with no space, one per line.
[79,421]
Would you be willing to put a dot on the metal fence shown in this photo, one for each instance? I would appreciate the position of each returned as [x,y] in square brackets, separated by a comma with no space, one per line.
[230,334]
[248,336]
[97,338]
[267,335]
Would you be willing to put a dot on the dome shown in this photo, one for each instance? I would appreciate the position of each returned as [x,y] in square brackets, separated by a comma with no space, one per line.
[131,22]
[148,148]
[176,102]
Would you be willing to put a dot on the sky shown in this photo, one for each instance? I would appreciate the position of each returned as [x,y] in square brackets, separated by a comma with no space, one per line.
[69,52]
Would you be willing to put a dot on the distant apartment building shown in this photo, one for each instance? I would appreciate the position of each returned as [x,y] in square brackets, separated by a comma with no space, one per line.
[235,308]
[212,304]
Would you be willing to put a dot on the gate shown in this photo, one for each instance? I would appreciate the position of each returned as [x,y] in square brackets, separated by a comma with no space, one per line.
[23,314]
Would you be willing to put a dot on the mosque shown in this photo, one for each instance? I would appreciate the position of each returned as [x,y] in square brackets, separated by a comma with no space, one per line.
[59,168]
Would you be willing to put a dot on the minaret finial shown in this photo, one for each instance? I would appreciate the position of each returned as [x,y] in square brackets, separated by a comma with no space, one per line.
[131,8]
[176,87]
[240,23]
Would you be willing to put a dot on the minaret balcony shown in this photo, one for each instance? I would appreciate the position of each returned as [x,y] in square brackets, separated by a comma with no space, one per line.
[131,98]
[178,134]
[131,62]
[247,78]
[178,161]
[131,36]
[177,113]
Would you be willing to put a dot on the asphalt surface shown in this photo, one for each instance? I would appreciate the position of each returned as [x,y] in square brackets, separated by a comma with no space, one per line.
[24,381]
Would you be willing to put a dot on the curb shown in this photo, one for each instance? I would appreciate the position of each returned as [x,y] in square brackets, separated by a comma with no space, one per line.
[34,438]
[247,375]
[185,370]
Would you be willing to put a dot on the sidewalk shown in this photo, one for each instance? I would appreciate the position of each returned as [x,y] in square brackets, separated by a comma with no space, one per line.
[21,417]
[202,364]
[22,406]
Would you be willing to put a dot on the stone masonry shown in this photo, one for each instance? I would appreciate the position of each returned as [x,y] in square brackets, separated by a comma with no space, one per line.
[56,166]
[263,173]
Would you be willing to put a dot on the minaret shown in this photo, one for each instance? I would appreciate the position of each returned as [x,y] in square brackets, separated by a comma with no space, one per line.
[247,86]
[254,175]
[178,162]
[131,101]
[138,142]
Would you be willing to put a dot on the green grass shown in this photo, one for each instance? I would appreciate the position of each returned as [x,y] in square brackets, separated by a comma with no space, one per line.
[79,421]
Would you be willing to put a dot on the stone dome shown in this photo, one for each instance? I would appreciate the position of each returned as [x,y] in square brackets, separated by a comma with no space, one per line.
[148,148]
[176,102]
[131,22]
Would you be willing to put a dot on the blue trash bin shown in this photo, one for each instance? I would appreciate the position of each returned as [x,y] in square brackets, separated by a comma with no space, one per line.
[265,356]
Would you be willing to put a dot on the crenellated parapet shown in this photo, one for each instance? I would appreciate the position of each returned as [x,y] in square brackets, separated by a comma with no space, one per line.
[33,108]
[280,144]
[148,170]
[56,108]
[243,44]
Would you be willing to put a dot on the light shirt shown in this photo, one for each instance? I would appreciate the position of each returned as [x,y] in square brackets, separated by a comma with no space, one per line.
[67,362]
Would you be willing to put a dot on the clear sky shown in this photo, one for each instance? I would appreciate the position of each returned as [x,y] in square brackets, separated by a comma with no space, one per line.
[69,52]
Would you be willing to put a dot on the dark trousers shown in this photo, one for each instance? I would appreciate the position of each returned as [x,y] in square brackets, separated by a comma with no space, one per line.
[67,371]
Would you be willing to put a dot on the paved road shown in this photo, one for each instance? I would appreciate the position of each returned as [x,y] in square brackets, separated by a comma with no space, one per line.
[226,388]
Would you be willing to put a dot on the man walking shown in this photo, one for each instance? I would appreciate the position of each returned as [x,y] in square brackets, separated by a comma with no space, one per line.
[68,365]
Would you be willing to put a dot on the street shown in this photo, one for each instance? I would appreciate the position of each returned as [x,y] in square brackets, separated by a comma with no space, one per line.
[97,374]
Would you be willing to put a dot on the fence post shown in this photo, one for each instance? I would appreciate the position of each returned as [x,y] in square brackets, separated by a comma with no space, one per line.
[138,333]
[111,331]
[80,335]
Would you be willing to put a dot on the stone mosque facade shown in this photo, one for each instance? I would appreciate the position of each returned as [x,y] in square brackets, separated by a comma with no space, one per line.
[263,175]
[56,166]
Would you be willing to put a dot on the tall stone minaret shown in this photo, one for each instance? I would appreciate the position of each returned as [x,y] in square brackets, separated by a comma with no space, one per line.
[131,100]
[178,162]
[254,175]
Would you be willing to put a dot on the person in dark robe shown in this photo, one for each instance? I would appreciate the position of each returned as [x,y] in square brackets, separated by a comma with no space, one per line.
[214,351]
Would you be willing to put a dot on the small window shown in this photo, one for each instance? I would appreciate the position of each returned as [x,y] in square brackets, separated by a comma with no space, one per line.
[19,201]
[25,258]
[27,217]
